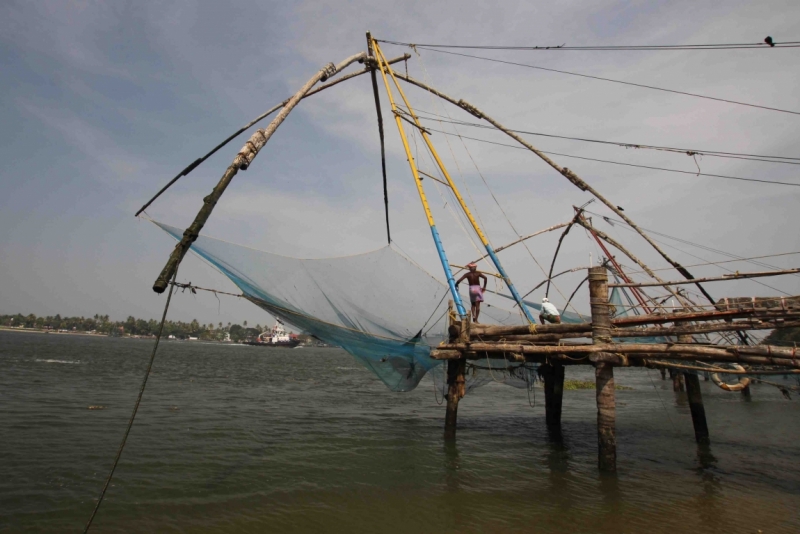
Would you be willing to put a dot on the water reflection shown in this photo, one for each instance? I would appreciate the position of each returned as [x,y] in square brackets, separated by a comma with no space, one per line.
[452,464]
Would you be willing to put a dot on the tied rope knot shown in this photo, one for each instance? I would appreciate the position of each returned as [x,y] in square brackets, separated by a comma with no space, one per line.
[532,328]
[329,70]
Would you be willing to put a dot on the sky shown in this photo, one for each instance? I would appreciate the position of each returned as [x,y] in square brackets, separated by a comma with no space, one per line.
[103,102]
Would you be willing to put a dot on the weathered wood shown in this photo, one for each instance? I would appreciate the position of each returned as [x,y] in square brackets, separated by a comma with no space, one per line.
[783,303]
[726,352]
[677,380]
[604,372]
[695,397]
[568,174]
[569,356]
[657,331]
[735,276]
[240,162]
[491,331]
[553,376]
[481,330]
[455,384]
[189,168]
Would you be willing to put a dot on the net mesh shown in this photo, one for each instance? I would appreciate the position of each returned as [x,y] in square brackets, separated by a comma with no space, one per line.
[379,306]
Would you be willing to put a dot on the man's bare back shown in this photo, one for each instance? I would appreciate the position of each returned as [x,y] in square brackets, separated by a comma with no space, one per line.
[476,291]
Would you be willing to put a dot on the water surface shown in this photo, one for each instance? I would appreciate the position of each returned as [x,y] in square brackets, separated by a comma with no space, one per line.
[247,439]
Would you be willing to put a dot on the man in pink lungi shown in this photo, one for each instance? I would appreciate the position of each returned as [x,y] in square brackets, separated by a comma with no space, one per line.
[475,291]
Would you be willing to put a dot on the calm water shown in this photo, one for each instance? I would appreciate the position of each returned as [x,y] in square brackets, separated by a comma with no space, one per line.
[245,439]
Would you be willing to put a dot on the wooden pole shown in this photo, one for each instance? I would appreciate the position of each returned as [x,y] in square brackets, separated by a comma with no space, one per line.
[456,383]
[695,397]
[258,119]
[553,375]
[677,382]
[240,162]
[568,174]
[604,372]
[722,278]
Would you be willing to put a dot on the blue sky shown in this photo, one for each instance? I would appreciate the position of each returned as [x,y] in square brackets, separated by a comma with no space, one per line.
[103,102]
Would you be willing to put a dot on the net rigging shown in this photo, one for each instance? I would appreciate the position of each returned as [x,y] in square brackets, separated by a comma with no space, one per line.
[766,44]
[649,167]
[611,80]
[688,151]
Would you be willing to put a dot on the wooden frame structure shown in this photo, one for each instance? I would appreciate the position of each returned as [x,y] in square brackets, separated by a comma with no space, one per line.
[545,345]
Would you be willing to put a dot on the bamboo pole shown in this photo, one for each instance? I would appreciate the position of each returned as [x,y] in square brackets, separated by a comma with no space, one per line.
[383,67]
[489,249]
[725,277]
[706,369]
[241,162]
[651,332]
[564,171]
[605,237]
[189,168]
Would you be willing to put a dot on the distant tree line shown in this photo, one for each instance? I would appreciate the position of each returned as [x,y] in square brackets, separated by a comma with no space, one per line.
[783,336]
[101,324]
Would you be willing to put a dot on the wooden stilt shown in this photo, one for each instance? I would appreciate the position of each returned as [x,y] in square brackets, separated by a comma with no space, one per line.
[663,374]
[553,375]
[696,407]
[456,383]
[604,372]
[677,380]
[695,401]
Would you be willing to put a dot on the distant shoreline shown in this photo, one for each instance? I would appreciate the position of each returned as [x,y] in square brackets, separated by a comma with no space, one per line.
[50,332]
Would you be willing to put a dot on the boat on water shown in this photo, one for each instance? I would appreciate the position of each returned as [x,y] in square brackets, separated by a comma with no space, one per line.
[276,337]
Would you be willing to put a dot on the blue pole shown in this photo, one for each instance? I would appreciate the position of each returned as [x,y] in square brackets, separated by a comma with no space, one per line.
[507,280]
[448,272]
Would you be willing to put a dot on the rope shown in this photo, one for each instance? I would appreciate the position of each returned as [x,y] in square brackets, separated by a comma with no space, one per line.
[767,44]
[612,162]
[621,82]
[508,220]
[135,408]
[691,152]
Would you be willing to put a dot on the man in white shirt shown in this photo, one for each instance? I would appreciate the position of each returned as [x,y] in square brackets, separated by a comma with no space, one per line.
[549,313]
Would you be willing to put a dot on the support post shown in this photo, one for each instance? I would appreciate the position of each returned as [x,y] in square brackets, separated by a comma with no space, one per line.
[604,372]
[695,400]
[456,383]
[677,383]
[553,375]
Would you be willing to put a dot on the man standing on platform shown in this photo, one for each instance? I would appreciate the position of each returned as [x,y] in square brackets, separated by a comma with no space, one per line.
[475,290]
[549,313]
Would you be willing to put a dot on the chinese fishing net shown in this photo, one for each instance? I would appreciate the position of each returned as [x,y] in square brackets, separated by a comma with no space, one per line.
[379,306]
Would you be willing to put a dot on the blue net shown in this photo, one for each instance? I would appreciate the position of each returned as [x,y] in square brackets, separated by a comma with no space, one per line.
[379,306]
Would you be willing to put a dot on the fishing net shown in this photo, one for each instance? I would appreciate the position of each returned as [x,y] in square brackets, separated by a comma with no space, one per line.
[379,306]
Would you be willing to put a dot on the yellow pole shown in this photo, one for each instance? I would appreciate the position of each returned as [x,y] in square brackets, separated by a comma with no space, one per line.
[452,185]
[436,239]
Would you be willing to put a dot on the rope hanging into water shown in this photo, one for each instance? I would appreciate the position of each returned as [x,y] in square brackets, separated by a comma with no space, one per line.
[135,406]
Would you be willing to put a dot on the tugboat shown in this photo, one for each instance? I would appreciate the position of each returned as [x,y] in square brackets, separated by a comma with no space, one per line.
[277,337]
